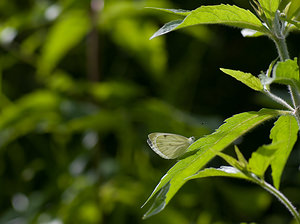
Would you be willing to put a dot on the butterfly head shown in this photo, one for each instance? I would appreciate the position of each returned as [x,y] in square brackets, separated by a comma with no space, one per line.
[191,140]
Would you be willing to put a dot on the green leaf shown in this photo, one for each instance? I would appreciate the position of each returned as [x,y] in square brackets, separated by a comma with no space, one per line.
[284,134]
[287,69]
[64,35]
[294,9]
[224,14]
[204,149]
[168,27]
[261,159]
[296,24]
[230,15]
[269,7]
[231,161]
[159,203]
[287,72]
[37,111]
[240,156]
[246,78]
[150,54]
[223,171]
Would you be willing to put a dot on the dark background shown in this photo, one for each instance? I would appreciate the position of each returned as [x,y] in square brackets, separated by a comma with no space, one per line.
[81,87]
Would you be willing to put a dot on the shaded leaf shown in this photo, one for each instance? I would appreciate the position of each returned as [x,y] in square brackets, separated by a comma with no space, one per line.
[63,36]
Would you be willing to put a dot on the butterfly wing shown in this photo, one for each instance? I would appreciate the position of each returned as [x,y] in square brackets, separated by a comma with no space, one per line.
[168,146]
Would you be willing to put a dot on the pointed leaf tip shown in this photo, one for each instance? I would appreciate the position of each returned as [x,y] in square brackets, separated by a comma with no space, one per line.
[246,78]
[159,203]
[168,27]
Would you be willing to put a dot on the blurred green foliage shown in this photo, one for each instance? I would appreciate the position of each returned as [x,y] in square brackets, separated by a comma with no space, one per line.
[82,86]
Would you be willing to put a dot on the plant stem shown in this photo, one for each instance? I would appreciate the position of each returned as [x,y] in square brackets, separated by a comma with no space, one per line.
[279,100]
[284,55]
[277,194]
[281,198]
[281,48]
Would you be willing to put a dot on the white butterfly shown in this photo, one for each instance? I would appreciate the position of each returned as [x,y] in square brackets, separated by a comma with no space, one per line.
[169,146]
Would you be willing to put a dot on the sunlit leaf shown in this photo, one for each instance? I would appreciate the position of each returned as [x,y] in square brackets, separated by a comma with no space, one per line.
[284,134]
[261,159]
[294,9]
[232,161]
[217,14]
[269,7]
[287,69]
[287,72]
[240,156]
[246,78]
[204,149]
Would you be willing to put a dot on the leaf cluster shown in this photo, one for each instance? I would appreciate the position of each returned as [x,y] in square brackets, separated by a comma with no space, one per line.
[274,19]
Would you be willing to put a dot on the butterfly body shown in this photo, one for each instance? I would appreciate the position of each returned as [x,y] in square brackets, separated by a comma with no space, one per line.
[169,146]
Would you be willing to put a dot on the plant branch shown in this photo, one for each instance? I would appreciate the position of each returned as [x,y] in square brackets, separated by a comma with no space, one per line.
[284,55]
[279,100]
[279,196]
[281,48]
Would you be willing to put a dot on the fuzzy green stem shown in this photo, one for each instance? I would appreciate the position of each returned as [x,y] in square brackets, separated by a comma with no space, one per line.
[268,187]
[281,198]
[294,96]
[284,55]
[279,100]
[281,48]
